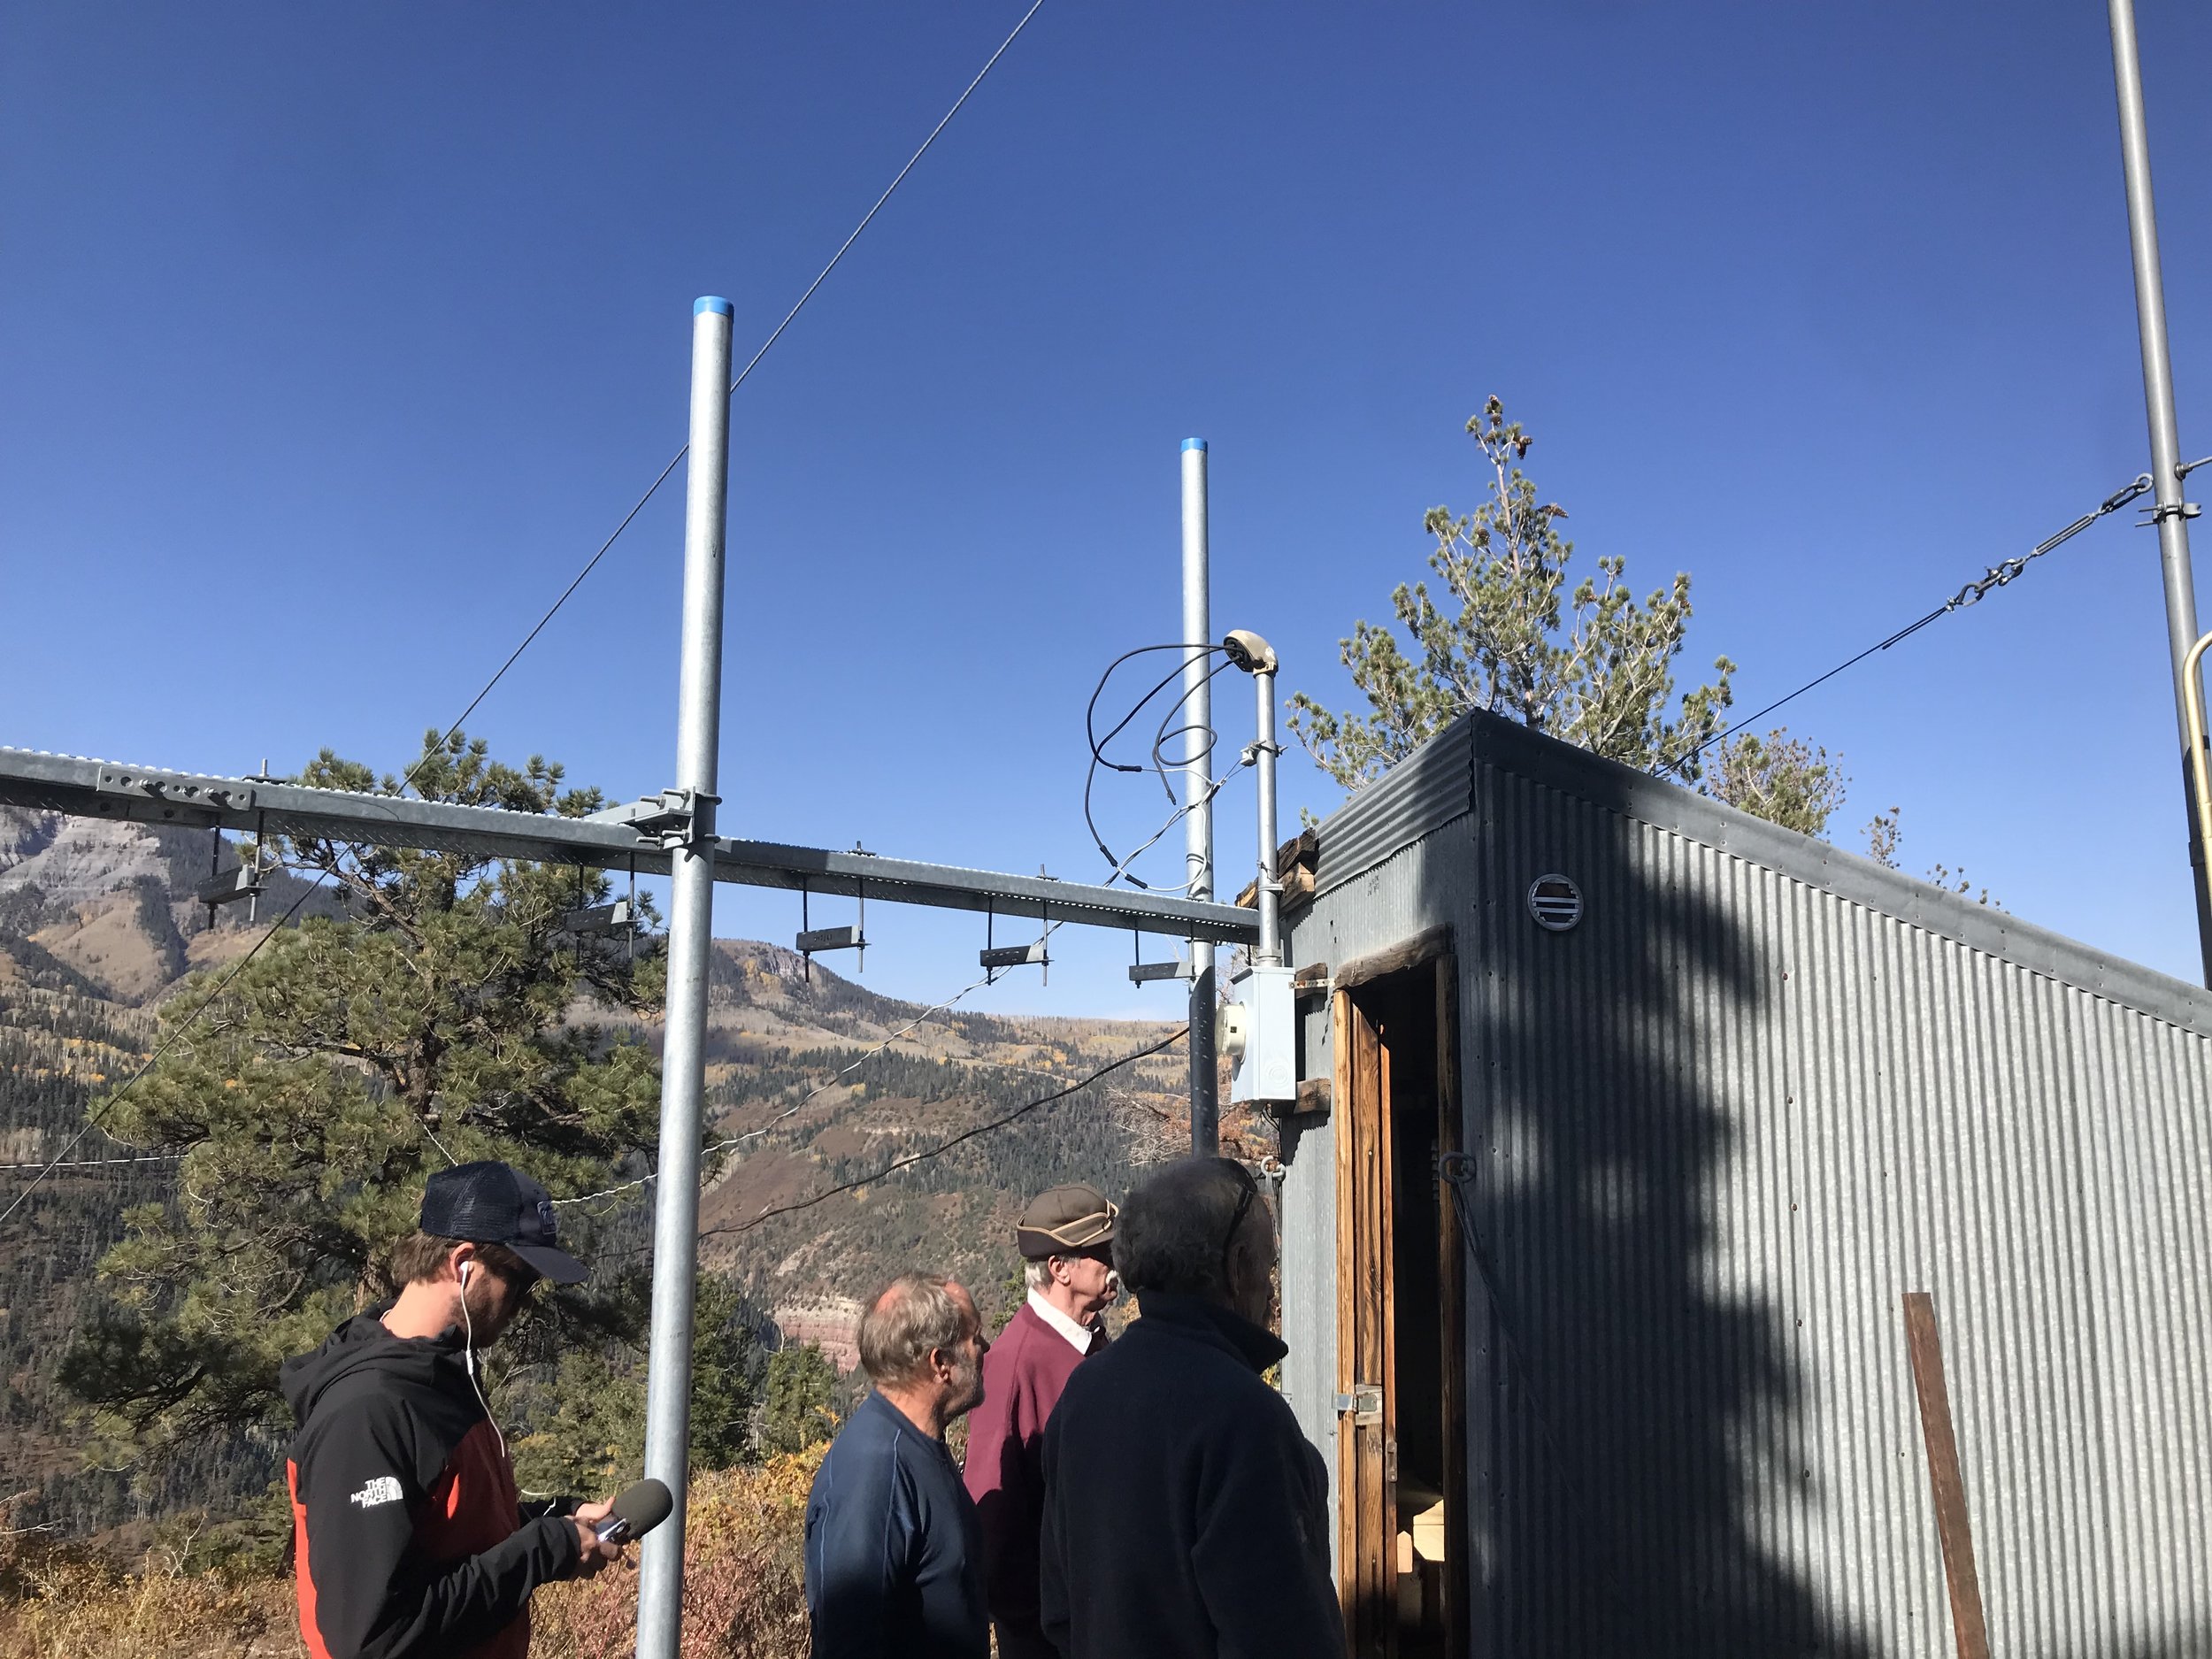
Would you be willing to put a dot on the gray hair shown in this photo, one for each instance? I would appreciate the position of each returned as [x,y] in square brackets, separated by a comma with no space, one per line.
[906,1321]
[1037,1274]
[1174,1231]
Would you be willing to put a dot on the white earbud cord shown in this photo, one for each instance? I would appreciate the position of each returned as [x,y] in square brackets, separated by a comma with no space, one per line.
[468,1364]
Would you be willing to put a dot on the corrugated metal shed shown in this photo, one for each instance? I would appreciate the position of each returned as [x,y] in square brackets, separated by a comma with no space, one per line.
[1762,1090]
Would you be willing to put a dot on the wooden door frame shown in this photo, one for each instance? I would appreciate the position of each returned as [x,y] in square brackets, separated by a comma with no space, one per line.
[1367,1561]
[1366,1313]
[1451,1279]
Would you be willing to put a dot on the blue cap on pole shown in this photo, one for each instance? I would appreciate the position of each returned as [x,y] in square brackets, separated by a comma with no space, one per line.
[713,303]
[1195,443]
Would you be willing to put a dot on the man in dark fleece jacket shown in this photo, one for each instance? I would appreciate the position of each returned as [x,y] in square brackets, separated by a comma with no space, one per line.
[1186,1517]
[409,1537]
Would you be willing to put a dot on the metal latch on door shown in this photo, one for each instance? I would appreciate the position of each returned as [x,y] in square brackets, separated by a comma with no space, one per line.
[1364,1403]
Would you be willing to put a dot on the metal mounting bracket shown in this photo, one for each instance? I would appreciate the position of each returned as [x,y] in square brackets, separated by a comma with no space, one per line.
[665,820]
[599,919]
[229,887]
[1145,973]
[172,797]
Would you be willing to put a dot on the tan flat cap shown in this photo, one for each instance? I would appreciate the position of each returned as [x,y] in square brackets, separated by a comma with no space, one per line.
[1065,1220]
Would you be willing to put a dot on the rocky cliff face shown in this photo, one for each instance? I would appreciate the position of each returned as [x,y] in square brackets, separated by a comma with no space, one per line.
[829,1324]
[91,900]
[107,909]
[74,861]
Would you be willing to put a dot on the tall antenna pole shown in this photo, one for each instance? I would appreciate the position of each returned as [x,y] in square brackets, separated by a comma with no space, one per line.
[690,938]
[1205,1104]
[2172,516]
[1268,952]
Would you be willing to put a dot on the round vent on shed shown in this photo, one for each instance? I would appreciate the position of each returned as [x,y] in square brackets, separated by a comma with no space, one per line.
[1555,902]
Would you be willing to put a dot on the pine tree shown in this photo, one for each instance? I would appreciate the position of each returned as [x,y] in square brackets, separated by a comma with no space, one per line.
[443,1015]
[801,1400]
[1781,778]
[1593,666]
[592,1438]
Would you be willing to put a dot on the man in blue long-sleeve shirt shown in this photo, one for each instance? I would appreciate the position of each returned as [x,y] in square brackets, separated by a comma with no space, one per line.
[893,1557]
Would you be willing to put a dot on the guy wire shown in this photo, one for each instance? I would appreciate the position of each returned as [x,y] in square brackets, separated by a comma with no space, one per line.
[1995,577]
[909,1160]
[589,565]
[653,488]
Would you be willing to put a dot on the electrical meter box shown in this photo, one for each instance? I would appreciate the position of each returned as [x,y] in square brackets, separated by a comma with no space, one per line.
[1267,1056]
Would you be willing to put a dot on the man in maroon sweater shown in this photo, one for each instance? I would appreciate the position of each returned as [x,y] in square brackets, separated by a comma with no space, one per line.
[1066,1237]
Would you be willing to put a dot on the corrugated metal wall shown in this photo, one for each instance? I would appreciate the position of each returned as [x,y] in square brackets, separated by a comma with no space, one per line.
[1727,1122]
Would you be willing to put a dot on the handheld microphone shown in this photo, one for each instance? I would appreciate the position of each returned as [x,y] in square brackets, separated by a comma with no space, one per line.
[637,1511]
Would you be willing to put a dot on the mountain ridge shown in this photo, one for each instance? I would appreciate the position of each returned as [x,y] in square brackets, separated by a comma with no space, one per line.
[814,1082]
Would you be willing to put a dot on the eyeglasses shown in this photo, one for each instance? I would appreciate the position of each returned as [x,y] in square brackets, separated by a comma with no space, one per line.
[1250,1190]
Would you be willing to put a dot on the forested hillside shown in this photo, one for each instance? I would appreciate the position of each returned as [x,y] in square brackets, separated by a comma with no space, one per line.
[814,1086]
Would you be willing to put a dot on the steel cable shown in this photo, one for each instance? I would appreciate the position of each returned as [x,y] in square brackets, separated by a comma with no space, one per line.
[909,1160]
[752,362]
[528,638]
[1994,577]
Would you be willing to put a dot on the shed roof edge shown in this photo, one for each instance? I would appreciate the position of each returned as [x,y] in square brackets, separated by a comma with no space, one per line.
[1487,739]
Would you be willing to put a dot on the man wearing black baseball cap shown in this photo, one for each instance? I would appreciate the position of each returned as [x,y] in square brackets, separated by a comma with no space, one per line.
[409,1536]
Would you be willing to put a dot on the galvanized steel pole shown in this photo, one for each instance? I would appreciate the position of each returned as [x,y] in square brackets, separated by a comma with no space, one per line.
[1268,952]
[1205,1103]
[690,939]
[2158,403]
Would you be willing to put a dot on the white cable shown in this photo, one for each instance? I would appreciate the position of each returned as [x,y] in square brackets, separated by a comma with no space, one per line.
[468,1361]
[92,1163]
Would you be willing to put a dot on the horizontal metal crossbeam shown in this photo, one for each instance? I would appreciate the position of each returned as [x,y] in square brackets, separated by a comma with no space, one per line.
[98,789]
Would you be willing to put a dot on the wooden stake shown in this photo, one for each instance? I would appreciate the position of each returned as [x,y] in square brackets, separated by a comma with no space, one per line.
[1949,1487]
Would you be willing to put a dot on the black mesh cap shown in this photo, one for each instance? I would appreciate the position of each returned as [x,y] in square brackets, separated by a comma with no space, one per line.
[495,1203]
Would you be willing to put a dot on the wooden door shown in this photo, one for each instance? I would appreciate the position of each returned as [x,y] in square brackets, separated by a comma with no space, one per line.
[1367,1523]
[1401,1022]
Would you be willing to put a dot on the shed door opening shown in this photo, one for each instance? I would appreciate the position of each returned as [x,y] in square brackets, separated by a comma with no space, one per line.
[1401,1348]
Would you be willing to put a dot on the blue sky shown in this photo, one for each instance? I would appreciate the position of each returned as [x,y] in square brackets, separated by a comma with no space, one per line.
[335,339]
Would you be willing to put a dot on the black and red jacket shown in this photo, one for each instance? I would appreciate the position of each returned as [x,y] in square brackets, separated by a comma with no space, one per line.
[408,1537]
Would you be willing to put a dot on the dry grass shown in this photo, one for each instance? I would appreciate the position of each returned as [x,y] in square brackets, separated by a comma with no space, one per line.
[744,1590]
[61,1603]
[743,1593]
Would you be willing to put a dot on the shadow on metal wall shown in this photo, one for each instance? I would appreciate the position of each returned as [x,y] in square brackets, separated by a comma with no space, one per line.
[1634,1425]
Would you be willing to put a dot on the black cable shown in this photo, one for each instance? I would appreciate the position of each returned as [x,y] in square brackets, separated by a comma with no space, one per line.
[1090,710]
[1160,737]
[1994,577]
[1098,744]
[589,565]
[924,1156]
[1098,757]
[754,362]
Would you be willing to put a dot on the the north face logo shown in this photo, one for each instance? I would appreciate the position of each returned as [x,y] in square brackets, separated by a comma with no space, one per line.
[383,1489]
